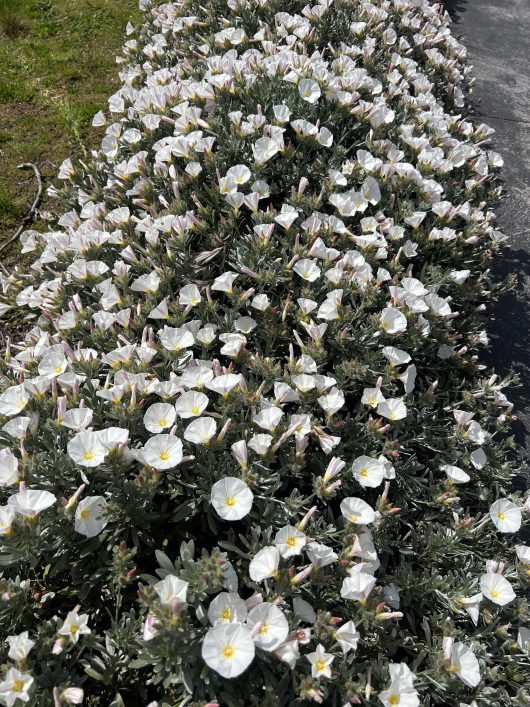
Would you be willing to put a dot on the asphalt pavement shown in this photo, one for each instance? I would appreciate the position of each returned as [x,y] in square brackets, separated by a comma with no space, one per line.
[497,36]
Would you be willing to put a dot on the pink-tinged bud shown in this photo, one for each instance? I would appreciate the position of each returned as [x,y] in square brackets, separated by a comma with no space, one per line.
[301,446]
[355,700]
[6,596]
[394,510]
[73,695]
[247,294]
[386,489]
[302,575]
[57,646]
[56,698]
[240,453]
[149,630]
[335,466]
[447,646]
[303,523]
[189,458]
[61,407]
[328,490]
[224,430]
[389,615]
[336,620]
[380,607]
[72,501]
[247,271]
[368,686]
[212,704]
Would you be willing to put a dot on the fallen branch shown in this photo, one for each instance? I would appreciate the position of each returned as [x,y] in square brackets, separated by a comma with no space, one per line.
[29,216]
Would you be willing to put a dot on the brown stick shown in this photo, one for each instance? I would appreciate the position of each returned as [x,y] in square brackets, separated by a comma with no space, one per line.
[29,216]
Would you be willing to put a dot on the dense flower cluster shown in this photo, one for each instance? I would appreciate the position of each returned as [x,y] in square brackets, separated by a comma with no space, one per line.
[248,454]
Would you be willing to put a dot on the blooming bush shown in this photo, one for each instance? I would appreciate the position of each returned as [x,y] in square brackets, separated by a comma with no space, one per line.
[248,454]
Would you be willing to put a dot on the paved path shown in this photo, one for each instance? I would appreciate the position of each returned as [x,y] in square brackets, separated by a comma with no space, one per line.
[497,36]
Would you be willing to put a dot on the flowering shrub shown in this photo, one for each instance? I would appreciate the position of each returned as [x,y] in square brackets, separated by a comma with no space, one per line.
[248,454]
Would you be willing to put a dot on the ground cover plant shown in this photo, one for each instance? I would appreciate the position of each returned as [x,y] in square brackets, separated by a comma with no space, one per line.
[249,453]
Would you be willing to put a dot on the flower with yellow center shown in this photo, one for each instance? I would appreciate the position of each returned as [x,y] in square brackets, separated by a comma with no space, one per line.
[320,662]
[231,498]
[228,649]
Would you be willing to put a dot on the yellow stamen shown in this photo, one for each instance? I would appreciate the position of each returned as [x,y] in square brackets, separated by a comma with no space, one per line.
[230,501]
[228,652]
[320,665]
[88,456]
[164,456]
[291,541]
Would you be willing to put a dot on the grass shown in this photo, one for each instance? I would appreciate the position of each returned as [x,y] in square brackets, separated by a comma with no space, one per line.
[57,60]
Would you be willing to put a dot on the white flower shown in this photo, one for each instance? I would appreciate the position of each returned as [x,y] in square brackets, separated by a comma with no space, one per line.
[369,472]
[191,404]
[7,515]
[200,431]
[77,419]
[372,397]
[19,646]
[332,402]
[320,555]
[159,416]
[90,516]
[401,691]
[224,384]
[171,589]
[307,269]
[290,541]
[13,400]
[8,468]
[189,294]
[260,443]
[357,587]
[239,174]
[265,148]
[523,554]
[162,451]
[347,637]
[176,339]
[288,653]
[393,321]
[227,608]
[455,474]
[228,649]
[309,90]
[506,516]
[86,449]
[269,418]
[273,629]
[224,282]
[357,511]
[264,564]
[52,365]
[320,662]
[231,498]
[496,588]
[393,409]
[465,664]
[15,686]
[31,502]
[75,625]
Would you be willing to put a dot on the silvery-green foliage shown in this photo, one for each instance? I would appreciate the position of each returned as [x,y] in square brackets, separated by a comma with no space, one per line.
[248,452]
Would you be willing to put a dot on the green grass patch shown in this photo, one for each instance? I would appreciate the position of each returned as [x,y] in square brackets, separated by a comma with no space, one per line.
[58,69]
